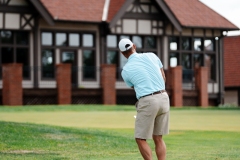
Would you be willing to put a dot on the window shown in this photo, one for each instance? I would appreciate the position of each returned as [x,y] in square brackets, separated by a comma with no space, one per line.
[187,67]
[89,69]
[113,55]
[174,59]
[48,63]
[150,42]
[191,53]
[14,48]
[210,63]
[173,43]
[197,44]
[186,43]
[47,39]
[209,45]
[74,39]
[197,60]
[137,40]
[87,40]
[61,39]
[51,40]
[7,37]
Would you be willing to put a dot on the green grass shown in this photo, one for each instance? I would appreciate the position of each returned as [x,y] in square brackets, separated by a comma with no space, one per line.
[96,132]
[29,141]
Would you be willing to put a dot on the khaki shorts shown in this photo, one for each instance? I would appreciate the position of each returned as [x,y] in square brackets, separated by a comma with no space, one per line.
[152,116]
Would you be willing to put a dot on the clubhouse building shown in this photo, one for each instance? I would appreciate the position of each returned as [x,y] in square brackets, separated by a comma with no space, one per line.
[66,51]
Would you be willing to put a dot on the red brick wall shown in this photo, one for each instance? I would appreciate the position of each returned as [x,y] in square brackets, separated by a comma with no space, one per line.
[64,85]
[202,85]
[232,61]
[12,93]
[176,85]
[108,79]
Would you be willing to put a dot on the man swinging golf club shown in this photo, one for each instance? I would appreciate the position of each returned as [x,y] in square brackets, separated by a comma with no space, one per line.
[144,73]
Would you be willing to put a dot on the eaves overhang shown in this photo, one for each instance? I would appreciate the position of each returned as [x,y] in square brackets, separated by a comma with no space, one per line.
[43,11]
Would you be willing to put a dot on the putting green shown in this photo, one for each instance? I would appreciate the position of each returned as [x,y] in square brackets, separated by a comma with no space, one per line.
[218,120]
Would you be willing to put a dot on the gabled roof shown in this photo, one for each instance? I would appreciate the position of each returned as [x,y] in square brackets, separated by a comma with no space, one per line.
[193,13]
[75,10]
[186,13]
[43,11]
[181,13]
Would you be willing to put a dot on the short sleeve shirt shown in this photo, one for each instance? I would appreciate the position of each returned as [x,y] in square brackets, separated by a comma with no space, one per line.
[142,71]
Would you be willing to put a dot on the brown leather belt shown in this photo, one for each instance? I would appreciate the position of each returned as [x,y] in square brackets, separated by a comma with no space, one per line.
[154,93]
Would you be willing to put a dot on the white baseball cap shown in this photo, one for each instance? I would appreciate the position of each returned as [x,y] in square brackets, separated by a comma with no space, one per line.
[125,44]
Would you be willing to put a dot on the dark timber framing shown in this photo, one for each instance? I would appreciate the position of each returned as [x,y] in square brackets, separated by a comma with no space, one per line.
[42,10]
[162,5]
[169,14]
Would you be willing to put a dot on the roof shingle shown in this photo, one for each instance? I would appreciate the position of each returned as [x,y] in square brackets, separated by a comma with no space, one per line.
[190,13]
[193,13]
[75,10]
[114,7]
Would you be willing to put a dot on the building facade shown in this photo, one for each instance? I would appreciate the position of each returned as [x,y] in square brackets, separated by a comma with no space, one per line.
[40,34]
[231,72]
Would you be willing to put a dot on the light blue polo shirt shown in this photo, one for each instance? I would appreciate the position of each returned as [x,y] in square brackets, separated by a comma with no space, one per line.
[142,71]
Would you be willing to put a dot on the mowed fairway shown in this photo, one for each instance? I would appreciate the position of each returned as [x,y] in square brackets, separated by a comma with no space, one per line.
[180,119]
[194,133]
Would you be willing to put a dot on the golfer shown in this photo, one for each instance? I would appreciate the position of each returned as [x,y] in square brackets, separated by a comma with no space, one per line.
[144,73]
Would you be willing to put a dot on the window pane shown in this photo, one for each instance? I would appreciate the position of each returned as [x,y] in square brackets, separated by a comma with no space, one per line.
[47,63]
[137,40]
[197,44]
[74,39]
[68,57]
[112,41]
[112,57]
[150,42]
[197,60]
[61,39]
[22,38]
[89,69]
[208,45]
[186,61]
[7,37]
[186,43]
[123,60]
[47,38]
[7,55]
[23,57]
[88,40]
[173,43]
[173,59]
[187,67]
[210,62]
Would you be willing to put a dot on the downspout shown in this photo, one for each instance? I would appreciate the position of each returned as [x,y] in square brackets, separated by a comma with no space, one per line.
[35,53]
[221,71]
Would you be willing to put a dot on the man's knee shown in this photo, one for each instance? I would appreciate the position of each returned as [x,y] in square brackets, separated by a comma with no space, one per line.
[157,137]
[139,141]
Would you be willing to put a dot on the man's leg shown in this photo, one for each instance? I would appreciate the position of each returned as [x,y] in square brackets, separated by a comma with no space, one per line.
[160,147]
[144,149]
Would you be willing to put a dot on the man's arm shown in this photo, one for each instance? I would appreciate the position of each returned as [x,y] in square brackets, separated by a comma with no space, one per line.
[163,74]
